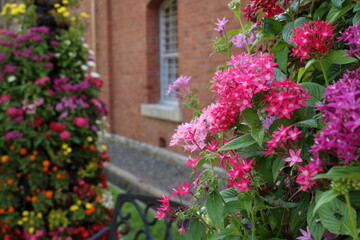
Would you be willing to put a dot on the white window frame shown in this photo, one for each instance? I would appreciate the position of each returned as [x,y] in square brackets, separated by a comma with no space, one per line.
[165,70]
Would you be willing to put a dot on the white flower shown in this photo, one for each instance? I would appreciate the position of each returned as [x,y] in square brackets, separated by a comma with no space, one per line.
[85,45]
[91,63]
[71,54]
[11,78]
[84,67]
[67,42]
[91,52]
[57,55]
[95,75]
[107,200]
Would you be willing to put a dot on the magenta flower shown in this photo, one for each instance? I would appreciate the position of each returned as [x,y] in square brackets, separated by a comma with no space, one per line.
[10,69]
[12,135]
[340,137]
[270,8]
[294,157]
[306,175]
[192,163]
[182,229]
[42,81]
[81,122]
[352,37]
[306,235]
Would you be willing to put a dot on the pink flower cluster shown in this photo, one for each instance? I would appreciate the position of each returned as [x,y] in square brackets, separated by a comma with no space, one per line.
[340,137]
[284,98]
[312,39]
[284,139]
[240,173]
[307,173]
[352,37]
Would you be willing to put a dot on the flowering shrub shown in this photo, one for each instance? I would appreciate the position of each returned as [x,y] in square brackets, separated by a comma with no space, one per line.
[51,181]
[284,126]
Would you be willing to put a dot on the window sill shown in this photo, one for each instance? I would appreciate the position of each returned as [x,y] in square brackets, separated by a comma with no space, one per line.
[162,111]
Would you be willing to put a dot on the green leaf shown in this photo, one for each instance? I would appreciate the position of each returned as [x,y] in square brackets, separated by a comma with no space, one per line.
[215,208]
[316,92]
[240,142]
[233,32]
[356,18]
[279,75]
[278,163]
[337,12]
[335,217]
[338,57]
[195,230]
[324,198]
[307,123]
[281,51]
[251,116]
[224,234]
[252,237]
[341,172]
[287,33]
[279,202]
[337,3]
[258,134]
[313,221]
[271,26]
[319,13]
[229,194]
[356,8]
[355,198]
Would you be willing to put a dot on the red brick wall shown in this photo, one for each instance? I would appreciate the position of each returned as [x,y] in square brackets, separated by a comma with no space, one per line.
[127,56]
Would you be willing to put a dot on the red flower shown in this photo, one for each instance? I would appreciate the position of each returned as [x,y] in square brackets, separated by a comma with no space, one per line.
[312,39]
[57,127]
[38,121]
[81,122]
[14,112]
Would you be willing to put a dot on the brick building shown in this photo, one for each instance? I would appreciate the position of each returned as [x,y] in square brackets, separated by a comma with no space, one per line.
[142,45]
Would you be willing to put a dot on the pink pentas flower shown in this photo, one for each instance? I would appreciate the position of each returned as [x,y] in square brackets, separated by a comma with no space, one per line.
[284,98]
[220,25]
[312,39]
[294,157]
[5,98]
[81,122]
[306,174]
[192,163]
[180,86]
[65,135]
[42,81]
[283,139]
[182,229]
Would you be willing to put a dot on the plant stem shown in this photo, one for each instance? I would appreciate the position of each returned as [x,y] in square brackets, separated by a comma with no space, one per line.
[352,218]
[324,73]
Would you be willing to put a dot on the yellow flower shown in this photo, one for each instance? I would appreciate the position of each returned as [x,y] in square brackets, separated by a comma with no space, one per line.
[88,205]
[85,15]
[32,213]
[61,10]
[73,19]
[104,147]
[25,213]
[65,2]
[20,222]
[31,230]
[78,202]
[64,146]
[66,14]
[92,165]
[69,150]
[14,11]
[89,139]
[57,5]
[39,215]
[25,219]
[73,208]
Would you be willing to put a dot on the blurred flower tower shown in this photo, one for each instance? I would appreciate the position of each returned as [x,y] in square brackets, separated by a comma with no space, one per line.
[51,181]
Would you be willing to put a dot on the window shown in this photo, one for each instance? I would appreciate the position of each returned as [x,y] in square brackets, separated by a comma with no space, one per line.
[168,50]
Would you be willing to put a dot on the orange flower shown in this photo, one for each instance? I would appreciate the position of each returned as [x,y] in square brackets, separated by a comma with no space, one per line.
[89,211]
[98,198]
[10,181]
[4,158]
[32,158]
[46,163]
[48,194]
[11,209]
[12,147]
[33,199]
[35,153]
[23,151]
[2,211]
[91,148]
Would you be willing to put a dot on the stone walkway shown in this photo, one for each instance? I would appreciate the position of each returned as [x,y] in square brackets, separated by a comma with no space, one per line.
[140,168]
